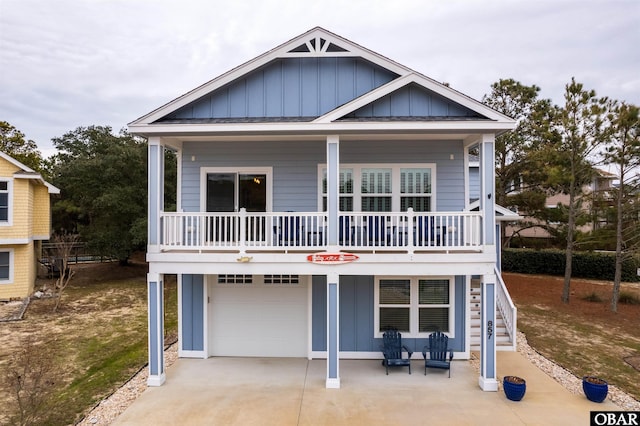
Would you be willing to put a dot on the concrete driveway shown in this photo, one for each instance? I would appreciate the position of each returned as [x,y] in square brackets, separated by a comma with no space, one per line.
[281,391]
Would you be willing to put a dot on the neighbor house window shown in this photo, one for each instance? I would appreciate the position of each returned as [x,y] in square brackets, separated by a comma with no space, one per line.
[5,197]
[415,306]
[383,187]
[6,272]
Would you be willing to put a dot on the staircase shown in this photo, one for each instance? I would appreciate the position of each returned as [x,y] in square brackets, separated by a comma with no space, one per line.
[503,340]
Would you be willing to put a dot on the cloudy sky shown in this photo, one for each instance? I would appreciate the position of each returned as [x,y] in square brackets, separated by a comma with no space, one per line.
[71,63]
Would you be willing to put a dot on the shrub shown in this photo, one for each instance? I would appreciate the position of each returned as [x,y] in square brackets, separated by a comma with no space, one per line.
[594,265]
[593,297]
[628,298]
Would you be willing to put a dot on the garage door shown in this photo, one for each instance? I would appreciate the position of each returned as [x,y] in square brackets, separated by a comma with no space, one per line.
[258,318]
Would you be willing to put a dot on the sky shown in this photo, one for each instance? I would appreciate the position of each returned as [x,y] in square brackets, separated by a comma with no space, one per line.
[71,63]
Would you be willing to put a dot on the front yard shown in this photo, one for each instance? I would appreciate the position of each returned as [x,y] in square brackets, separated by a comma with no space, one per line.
[93,344]
[584,336]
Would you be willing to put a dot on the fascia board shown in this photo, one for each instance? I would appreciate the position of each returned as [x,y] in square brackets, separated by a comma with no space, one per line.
[428,84]
[34,176]
[465,126]
[16,163]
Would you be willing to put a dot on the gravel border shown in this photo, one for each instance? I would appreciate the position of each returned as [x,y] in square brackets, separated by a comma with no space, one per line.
[111,407]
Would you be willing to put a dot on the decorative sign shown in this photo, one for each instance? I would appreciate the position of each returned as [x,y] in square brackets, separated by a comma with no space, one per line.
[332,258]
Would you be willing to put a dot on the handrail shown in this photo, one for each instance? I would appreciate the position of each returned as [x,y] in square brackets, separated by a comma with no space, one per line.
[369,231]
[507,308]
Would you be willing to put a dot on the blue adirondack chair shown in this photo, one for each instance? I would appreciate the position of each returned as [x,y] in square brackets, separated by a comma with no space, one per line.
[392,349]
[437,349]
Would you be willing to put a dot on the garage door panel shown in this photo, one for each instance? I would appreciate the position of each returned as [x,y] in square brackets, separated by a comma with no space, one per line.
[261,320]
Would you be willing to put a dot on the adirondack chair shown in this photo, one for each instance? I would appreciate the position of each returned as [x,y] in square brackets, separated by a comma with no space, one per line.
[392,348]
[437,349]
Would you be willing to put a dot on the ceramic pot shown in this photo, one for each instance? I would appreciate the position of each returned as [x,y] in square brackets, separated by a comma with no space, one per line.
[595,389]
[514,387]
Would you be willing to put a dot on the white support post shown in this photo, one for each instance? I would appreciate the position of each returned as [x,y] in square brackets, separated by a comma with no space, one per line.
[155,177]
[488,378]
[333,189]
[333,331]
[155,302]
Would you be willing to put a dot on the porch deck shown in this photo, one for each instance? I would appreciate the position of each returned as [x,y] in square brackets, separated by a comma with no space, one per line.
[291,391]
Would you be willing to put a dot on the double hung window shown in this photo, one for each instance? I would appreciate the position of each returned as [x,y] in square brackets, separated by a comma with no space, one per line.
[415,306]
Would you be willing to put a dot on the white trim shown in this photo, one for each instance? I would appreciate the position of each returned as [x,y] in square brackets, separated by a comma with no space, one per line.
[333,383]
[488,385]
[321,129]
[16,241]
[414,306]
[268,171]
[191,354]
[157,380]
[12,266]
[396,196]
[403,81]
[467,315]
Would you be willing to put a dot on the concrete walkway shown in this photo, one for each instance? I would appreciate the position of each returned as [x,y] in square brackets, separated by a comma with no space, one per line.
[270,391]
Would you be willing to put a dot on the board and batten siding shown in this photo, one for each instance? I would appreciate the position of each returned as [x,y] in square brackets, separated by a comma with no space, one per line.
[290,87]
[357,316]
[295,167]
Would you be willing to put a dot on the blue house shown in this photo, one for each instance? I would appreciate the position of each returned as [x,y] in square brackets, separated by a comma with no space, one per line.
[323,197]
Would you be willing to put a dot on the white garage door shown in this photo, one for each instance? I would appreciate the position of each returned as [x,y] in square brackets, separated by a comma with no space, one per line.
[257,319]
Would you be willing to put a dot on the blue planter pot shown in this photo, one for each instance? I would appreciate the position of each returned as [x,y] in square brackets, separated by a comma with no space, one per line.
[595,389]
[514,387]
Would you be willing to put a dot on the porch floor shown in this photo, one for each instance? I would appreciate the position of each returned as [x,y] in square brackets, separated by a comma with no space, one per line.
[281,391]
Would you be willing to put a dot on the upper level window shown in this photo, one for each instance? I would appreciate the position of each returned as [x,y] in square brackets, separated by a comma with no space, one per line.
[384,188]
[376,190]
[5,196]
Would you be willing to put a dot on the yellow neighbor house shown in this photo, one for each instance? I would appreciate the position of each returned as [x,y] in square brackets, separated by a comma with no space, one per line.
[25,221]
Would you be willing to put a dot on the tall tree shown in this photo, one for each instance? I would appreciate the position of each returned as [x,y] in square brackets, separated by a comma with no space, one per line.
[623,152]
[13,143]
[520,153]
[580,128]
[103,184]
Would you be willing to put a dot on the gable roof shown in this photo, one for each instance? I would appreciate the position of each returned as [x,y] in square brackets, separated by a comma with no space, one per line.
[319,43]
[25,172]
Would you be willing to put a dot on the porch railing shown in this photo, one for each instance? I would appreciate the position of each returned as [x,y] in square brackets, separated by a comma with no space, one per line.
[383,231]
[507,308]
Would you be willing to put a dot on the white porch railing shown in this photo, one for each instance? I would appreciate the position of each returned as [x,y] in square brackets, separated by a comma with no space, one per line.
[276,231]
[507,308]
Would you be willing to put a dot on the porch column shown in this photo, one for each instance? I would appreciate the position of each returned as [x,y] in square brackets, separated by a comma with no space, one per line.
[488,380]
[155,302]
[487,189]
[333,331]
[333,188]
[156,192]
